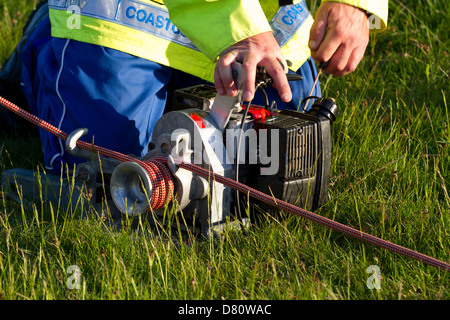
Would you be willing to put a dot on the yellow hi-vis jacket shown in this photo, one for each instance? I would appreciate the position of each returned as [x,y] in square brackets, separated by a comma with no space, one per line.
[189,35]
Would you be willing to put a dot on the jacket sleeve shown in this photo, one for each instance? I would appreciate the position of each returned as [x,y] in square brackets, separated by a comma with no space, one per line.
[378,8]
[213,26]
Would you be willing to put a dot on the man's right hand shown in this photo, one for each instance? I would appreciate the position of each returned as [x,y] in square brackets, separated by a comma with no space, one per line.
[259,50]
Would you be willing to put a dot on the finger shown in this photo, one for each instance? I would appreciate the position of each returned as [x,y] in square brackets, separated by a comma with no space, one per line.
[327,48]
[348,60]
[339,61]
[354,60]
[280,81]
[248,79]
[318,30]
[284,65]
[220,88]
[224,75]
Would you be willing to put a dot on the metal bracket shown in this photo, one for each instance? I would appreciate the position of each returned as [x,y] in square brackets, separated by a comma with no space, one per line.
[223,105]
[71,144]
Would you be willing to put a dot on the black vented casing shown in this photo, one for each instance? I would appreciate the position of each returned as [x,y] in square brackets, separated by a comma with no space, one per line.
[304,155]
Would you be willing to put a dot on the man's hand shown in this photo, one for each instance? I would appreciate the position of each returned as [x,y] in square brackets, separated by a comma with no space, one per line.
[259,50]
[339,35]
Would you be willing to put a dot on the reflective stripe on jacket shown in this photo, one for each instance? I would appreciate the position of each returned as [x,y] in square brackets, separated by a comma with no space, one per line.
[145,29]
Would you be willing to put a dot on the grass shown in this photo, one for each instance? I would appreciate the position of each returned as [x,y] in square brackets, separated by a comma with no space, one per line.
[390,178]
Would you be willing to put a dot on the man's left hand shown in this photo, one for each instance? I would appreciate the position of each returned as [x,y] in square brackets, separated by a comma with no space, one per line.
[339,36]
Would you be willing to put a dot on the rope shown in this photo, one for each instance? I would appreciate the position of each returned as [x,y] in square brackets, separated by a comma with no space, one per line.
[316,218]
[162,182]
[160,174]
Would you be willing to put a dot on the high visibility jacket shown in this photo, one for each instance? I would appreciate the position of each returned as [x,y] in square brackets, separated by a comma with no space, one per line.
[195,32]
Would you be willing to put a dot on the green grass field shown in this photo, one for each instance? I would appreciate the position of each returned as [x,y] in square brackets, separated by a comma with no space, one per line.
[390,178]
